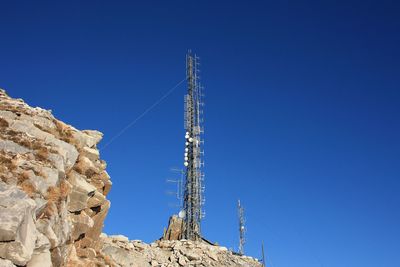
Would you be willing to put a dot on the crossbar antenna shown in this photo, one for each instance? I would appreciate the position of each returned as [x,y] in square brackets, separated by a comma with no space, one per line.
[242,228]
[193,199]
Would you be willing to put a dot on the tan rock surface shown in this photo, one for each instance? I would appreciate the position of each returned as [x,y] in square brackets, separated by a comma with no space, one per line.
[174,229]
[47,168]
[123,252]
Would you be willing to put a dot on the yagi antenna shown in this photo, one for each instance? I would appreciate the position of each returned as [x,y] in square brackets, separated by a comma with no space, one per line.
[178,192]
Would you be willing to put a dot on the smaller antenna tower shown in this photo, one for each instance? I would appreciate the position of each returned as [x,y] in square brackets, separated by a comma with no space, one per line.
[242,228]
[263,256]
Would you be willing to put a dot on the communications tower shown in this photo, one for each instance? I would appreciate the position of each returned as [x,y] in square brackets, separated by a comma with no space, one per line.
[193,200]
[242,228]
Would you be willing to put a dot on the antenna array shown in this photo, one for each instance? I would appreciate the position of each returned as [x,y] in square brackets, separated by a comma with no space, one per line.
[179,187]
[193,199]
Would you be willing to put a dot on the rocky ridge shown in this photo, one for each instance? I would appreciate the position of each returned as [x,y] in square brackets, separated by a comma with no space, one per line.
[171,253]
[53,188]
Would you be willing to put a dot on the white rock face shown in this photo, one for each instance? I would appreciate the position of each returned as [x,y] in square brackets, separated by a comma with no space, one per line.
[42,259]
[6,263]
[81,224]
[67,151]
[17,227]
[12,147]
[81,192]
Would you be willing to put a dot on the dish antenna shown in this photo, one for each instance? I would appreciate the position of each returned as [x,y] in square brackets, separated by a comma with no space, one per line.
[182,214]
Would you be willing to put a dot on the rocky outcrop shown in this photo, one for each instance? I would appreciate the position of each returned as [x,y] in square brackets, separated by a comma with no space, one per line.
[18,232]
[119,251]
[174,229]
[53,189]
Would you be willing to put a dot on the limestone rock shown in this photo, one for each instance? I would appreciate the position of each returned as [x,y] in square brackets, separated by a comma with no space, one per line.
[52,189]
[212,255]
[12,147]
[97,199]
[174,230]
[44,227]
[81,192]
[95,231]
[81,224]
[86,253]
[87,138]
[124,258]
[42,259]
[42,243]
[181,260]
[17,226]
[90,153]
[119,238]
[67,151]
[6,263]
[192,256]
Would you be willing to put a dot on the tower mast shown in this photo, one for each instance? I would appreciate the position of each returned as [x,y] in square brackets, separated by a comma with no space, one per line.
[193,192]
[242,228]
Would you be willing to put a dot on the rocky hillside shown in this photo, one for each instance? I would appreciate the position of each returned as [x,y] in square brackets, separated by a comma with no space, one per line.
[53,189]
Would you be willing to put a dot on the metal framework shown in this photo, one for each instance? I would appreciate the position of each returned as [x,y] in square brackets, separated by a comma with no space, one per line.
[193,199]
[242,228]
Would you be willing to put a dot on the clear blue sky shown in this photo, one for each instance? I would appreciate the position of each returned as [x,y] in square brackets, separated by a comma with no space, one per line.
[302,114]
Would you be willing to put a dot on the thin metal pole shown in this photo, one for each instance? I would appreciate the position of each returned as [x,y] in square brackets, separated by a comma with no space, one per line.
[263,256]
[241,228]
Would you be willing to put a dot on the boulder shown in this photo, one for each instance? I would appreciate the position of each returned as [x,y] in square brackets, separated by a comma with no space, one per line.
[44,227]
[81,139]
[181,260]
[42,259]
[42,243]
[98,219]
[125,258]
[213,255]
[97,199]
[95,137]
[120,238]
[174,230]
[80,193]
[17,225]
[90,153]
[6,263]
[192,256]
[81,223]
